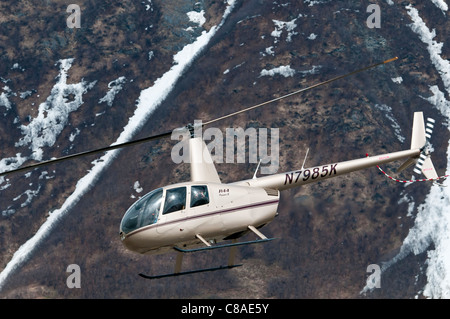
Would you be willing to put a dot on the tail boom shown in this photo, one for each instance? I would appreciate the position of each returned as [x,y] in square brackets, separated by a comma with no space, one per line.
[418,154]
[300,177]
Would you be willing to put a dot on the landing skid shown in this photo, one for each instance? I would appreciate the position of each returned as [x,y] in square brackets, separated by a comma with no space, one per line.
[233,246]
[189,272]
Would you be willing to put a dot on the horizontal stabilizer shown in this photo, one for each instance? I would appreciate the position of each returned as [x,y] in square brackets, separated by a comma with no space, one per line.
[425,165]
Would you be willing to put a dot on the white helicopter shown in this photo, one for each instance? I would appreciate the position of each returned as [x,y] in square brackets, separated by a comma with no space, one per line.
[197,215]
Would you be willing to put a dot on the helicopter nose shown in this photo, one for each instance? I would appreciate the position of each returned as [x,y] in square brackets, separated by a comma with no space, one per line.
[134,242]
[128,242]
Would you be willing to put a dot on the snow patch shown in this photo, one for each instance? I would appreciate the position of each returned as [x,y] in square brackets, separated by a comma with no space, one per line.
[151,54]
[10,163]
[397,80]
[434,47]
[314,70]
[29,194]
[285,71]
[53,113]
[388,113]
[148,5]
[114,88]
[75,134]
[4,101]
[197,17]
[314,2]
[439,101]
[441,5]
[25,94]
[289,26]
[269,50]
[411,204]
[137,187]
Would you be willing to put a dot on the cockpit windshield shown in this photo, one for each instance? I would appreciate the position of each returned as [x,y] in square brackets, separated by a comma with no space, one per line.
[142,213]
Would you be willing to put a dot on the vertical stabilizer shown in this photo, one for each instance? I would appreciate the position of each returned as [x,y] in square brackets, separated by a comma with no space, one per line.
[418,138]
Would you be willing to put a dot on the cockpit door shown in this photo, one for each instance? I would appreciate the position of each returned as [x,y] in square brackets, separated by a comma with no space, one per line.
[174,208]
[203,211]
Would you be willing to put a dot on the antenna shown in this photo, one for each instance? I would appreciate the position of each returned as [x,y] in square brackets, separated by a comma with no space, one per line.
[257,167]
[305,158]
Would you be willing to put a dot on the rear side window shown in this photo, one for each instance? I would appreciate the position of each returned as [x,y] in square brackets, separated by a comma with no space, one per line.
[199,196]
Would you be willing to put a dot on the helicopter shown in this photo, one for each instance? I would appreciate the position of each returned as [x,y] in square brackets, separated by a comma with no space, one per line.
[203,213]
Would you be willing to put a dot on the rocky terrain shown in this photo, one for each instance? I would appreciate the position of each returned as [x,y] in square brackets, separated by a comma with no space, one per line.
[327,233]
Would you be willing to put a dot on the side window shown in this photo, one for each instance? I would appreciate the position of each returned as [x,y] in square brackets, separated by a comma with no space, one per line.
[199,196]
[175,200]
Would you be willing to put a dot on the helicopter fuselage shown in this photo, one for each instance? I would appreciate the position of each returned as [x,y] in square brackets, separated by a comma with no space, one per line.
[204,211]
[224,213]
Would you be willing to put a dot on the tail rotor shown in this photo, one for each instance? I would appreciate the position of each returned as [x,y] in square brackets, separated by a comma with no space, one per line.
[424,164]
[420,141]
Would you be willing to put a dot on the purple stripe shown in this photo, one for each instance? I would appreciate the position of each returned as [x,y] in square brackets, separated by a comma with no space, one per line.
[204,215]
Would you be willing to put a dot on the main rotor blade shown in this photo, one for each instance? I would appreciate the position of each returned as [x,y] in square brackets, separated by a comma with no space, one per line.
[81,154]
[300,91]
[158,136]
